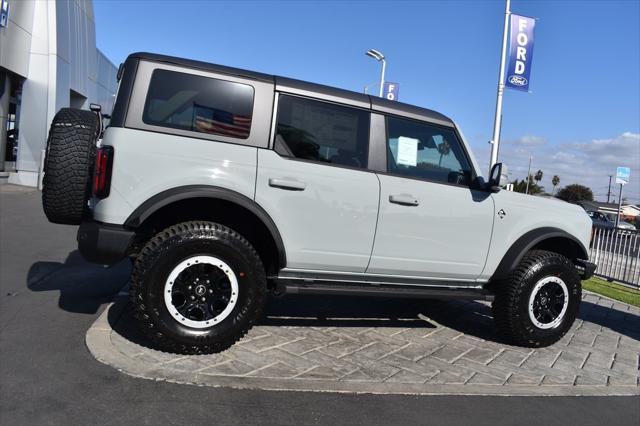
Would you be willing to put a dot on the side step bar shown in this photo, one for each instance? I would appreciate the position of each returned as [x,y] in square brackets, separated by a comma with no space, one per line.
[384,291]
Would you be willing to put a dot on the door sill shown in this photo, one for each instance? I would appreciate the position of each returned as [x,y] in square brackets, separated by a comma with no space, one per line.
[314,276]
[353,284]
[354,289]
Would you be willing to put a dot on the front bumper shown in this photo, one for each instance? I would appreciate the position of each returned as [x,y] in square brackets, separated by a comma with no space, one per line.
[103,243]
[585,268]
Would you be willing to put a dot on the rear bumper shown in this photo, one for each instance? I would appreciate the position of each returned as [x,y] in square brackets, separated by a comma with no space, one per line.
[585,268]
[103,243]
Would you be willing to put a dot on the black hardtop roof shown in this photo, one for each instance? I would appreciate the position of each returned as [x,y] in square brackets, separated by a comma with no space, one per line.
[374,102]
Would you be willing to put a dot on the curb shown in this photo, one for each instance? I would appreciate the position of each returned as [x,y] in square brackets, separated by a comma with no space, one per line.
[602,296]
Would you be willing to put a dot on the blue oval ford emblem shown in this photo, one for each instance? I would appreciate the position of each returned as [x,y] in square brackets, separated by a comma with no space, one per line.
[517,80]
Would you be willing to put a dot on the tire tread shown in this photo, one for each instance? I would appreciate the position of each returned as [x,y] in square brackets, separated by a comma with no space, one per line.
[145,261]
[69,163]
[510,292]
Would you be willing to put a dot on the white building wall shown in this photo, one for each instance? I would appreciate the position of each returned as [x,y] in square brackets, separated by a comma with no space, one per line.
[35,100]
[15,39]
[53,45]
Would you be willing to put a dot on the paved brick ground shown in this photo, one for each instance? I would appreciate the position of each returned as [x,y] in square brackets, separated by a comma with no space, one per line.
[393,346]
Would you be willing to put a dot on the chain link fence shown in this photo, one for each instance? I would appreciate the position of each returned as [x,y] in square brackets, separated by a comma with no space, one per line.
[617,254]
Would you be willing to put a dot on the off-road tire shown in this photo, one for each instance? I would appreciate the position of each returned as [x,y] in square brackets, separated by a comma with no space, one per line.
[69,164]
[511,305]
[169,248]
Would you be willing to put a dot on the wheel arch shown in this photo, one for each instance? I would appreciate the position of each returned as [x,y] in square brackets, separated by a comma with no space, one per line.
[204,202]
[551,239]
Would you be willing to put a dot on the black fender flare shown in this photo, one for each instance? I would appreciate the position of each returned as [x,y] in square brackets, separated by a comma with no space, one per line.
[172,195]
[526,242]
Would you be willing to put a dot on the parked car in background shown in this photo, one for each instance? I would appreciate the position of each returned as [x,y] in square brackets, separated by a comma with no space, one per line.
[603,221]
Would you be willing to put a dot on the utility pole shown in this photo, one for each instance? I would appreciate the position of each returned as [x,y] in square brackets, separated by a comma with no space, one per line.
[528,176]
[609,191]
[497,121]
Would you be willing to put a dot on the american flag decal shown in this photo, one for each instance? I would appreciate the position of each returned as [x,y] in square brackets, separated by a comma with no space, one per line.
[223,123]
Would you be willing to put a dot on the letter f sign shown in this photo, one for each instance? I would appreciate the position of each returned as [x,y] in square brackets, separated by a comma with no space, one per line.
[522,24]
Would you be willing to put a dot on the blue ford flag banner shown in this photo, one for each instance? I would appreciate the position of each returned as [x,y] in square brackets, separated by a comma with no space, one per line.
[391,91]
[520,52]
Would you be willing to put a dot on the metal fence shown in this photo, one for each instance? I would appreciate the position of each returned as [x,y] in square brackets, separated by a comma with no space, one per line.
[617,254]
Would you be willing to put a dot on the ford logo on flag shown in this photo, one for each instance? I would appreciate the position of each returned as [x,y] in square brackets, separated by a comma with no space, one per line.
[517,80]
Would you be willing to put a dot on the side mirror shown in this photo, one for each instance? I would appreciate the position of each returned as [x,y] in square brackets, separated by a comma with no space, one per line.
[498,178]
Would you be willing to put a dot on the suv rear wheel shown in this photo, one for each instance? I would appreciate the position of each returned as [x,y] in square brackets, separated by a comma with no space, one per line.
[197,287]
[539,302]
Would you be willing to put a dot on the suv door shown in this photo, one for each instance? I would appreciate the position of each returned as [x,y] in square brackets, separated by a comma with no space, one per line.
[431,223]
[315,185]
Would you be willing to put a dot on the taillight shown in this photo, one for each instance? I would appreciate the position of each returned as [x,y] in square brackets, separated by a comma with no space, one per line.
[102,175]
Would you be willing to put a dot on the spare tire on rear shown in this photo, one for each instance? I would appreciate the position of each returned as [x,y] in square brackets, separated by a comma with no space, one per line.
[69,164]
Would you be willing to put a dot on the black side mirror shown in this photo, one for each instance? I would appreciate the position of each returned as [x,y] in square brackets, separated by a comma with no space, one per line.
[498,177]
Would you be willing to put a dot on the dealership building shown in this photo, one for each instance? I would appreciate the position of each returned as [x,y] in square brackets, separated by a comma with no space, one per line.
[48,61]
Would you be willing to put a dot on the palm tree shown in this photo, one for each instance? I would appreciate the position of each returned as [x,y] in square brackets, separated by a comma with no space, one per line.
[538,176]
[444,148]
[555,181]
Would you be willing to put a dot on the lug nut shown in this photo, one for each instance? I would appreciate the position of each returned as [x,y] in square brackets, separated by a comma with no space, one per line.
[203,299]
[197,279]
[207,281]
[210,291]
[193,298]
[189,287]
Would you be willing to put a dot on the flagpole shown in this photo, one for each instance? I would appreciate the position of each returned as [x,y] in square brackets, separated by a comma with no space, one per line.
[497,122]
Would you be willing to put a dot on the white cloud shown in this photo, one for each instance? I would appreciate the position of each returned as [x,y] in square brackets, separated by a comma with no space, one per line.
[587,163]
[529,141]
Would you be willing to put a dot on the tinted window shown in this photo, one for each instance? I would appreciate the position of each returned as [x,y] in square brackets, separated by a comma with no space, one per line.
[425,151]
[323,132]
[200,104]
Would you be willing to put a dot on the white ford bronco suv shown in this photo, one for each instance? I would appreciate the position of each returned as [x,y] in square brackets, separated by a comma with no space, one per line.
[222,184]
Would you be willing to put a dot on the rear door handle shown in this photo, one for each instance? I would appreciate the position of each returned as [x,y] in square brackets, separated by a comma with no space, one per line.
[404,200]
[289,184]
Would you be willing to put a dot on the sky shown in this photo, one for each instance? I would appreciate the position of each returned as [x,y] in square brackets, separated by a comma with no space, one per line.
[580,121]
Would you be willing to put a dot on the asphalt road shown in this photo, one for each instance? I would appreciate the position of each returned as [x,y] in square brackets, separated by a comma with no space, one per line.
[49,297]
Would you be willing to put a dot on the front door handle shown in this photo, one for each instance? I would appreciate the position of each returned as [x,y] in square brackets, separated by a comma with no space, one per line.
[290,184]
[404,200]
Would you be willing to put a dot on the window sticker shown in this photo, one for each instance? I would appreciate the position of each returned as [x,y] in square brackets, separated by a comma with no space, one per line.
[407,151]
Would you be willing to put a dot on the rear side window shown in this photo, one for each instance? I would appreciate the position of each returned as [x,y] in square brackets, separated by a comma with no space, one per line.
[425,151]
[323,132]
[199,104]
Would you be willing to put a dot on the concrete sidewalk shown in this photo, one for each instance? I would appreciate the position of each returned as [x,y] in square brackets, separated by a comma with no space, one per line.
[392,347]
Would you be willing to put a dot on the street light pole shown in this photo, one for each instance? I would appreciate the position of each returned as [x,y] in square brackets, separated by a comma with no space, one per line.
[384,67]
[497,122]
[378,56]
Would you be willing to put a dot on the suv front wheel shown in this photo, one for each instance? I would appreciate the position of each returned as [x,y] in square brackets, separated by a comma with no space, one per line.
[197,287]
[539,301]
